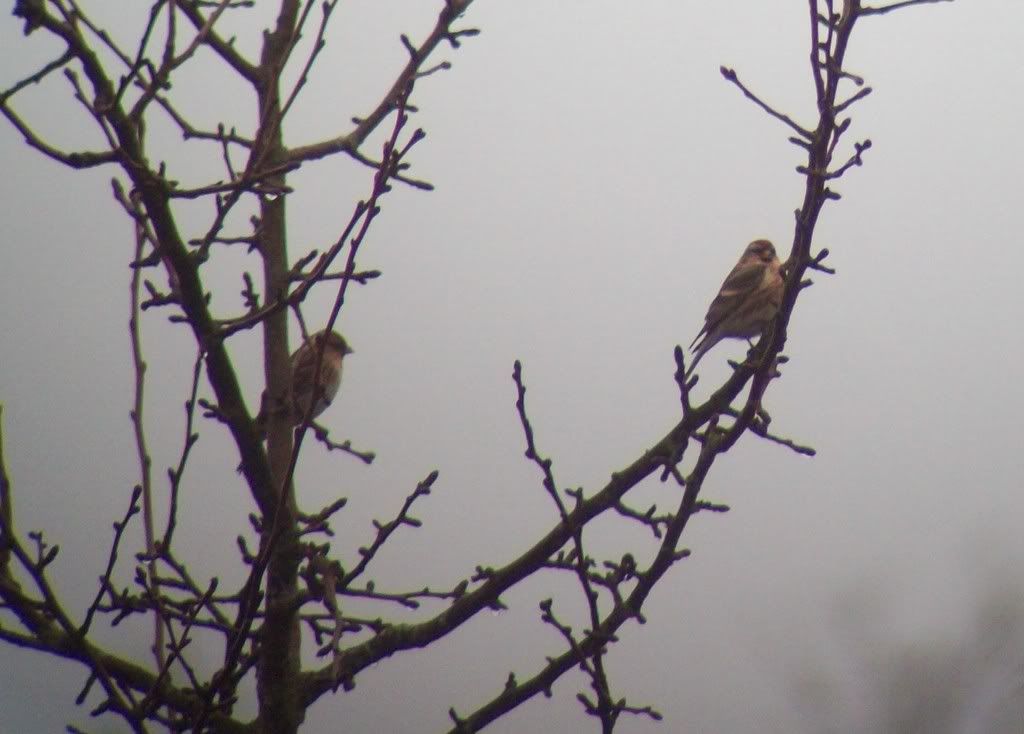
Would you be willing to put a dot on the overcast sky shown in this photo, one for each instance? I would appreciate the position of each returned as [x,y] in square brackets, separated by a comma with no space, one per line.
[596,179]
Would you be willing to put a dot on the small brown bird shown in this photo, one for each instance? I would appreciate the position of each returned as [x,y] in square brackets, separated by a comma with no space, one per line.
[305,384]
[747,301]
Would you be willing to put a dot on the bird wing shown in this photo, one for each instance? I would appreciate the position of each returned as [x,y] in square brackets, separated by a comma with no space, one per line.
[305,381]
[303,364]
[740,282]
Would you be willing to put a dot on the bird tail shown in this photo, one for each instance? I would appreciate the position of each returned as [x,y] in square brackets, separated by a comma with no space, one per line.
[703,348]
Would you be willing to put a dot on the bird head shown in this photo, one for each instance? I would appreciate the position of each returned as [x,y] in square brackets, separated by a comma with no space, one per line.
[334,341]
[762,250]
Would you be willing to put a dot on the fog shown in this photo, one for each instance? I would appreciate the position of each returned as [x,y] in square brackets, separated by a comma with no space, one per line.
[595,180]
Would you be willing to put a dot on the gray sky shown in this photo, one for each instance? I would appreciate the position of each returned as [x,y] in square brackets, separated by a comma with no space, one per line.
[596,179]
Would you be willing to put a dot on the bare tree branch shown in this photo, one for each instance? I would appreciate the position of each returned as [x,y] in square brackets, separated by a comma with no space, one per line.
[224,49]
[730,75]
[882,9]
[293,587]
[351,142]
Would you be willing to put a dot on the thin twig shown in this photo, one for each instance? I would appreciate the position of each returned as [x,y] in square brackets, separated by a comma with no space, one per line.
[730,75]
[138,425]
[883,9]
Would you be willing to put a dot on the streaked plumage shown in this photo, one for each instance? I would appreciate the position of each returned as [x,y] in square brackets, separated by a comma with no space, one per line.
[747,301]
[305,386]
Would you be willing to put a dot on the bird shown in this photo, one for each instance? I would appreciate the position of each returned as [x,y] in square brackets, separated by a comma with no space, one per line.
[747,301]
[306,385]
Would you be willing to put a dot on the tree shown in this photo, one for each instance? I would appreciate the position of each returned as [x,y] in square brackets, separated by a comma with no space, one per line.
[292,580]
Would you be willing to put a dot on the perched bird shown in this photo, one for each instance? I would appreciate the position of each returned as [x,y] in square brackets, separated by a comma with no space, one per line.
[747,301]
[306,385]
